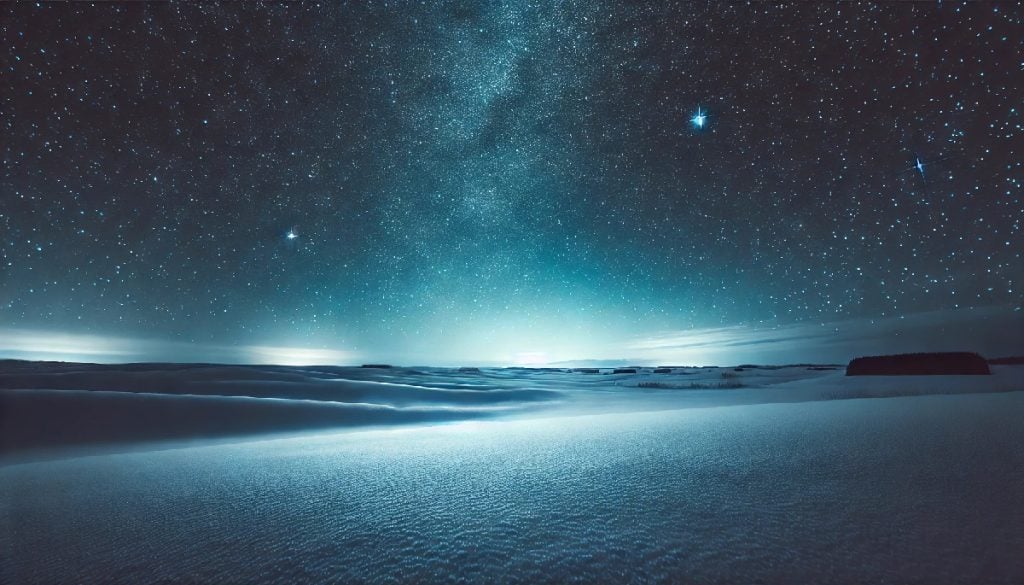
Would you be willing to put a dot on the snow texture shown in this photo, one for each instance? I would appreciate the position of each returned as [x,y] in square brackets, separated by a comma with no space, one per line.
[797,476]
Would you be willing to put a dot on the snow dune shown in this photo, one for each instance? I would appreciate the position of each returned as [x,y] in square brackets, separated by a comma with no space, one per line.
[49,406]
[914,489]
[54,405]
[701,475]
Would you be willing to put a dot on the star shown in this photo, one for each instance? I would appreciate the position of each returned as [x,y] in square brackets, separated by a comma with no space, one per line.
[699,119]
[919,166]
[291,235]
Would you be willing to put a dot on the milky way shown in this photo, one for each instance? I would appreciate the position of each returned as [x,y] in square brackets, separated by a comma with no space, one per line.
[450,181]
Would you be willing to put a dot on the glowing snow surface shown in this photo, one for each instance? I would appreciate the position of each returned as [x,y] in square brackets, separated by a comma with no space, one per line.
[820,486]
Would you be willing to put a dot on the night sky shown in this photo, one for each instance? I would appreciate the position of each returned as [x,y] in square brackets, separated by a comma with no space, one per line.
[510,182]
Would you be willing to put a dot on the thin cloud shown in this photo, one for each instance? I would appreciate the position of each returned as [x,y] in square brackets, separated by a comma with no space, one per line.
[33,344]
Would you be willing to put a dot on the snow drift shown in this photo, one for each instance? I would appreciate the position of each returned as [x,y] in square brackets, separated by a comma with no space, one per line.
[53,405]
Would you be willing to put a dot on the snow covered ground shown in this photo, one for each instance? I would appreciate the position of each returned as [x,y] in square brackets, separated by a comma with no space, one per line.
[48,408]
[509,475]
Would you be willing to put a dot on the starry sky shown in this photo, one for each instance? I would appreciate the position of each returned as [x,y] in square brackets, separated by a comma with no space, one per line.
[510,182]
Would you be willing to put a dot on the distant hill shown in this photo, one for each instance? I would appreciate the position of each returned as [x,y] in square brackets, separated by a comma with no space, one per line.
[919,364]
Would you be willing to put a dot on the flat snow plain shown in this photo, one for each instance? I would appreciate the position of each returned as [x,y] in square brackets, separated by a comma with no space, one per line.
[509,475]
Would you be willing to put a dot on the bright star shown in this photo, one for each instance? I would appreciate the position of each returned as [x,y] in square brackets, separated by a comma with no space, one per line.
[291,235]
[699,119]
[919,166]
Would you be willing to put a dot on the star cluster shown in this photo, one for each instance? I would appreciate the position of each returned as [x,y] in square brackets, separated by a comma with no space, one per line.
[442,181]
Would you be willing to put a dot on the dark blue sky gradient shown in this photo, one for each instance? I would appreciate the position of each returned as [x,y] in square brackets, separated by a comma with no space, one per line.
[510,183]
